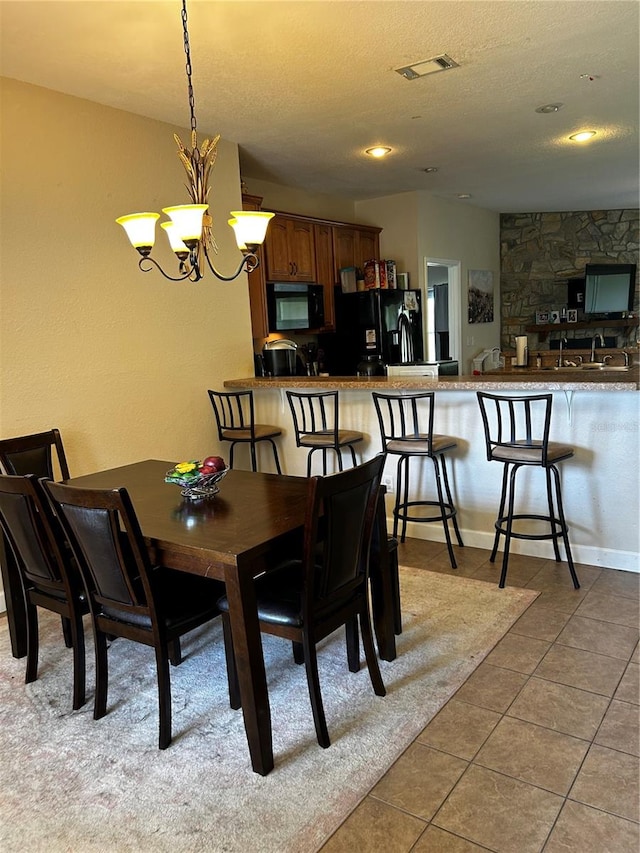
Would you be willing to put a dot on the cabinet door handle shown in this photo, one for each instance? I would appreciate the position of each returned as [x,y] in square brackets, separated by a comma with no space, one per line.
[290,267]
[295,268]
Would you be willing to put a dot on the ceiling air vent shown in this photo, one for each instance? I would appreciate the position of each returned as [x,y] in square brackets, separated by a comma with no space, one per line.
[427,66]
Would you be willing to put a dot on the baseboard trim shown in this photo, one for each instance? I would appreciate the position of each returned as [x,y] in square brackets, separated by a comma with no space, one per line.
[625,561]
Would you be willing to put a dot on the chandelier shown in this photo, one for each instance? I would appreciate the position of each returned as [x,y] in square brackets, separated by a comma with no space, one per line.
[189,228]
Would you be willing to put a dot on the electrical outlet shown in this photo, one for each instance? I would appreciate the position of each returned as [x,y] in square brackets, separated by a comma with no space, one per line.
[389,482]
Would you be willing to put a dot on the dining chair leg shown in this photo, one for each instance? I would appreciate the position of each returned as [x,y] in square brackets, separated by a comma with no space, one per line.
[164,695]
[66,631]
[298,652]
[175,652]
[232,672]
[353,645]
[313,682]
[79,662]
[102,675]
[32,643]
[370,652]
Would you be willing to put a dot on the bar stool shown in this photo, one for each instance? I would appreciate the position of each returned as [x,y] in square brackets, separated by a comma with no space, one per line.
[236,423]
[315,421]
[517,434]
[406,430]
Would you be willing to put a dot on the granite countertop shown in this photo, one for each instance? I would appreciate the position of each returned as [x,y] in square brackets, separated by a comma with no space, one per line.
[531,380]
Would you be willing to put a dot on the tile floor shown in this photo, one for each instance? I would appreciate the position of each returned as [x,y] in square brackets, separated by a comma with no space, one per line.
[539,748]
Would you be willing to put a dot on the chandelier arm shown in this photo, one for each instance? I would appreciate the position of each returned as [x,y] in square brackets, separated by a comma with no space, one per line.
[188,272]
[249,263]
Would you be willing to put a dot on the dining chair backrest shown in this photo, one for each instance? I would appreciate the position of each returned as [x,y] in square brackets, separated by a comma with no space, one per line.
[338,530]
[513,423]
[103,529]
[405,416]
[33,454]
[35,536]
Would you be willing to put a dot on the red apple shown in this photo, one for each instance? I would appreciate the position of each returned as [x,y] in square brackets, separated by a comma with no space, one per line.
[214,463]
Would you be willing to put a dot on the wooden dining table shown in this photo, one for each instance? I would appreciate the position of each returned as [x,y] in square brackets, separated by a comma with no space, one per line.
[233,537]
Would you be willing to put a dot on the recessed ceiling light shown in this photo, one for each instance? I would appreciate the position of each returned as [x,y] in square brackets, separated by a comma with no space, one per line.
[378,151]
[583,136]
[549,108]
[430,169]
[464,195]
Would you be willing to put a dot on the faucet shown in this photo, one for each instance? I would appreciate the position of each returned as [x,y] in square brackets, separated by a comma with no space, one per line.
[626,357]
[593,346]
[562,341]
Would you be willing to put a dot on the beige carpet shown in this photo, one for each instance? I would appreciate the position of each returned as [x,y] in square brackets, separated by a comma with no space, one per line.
[69,783]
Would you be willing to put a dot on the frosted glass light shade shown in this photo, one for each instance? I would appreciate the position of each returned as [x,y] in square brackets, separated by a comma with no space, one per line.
[233,223]
[175,241]
[250,227]
[187,219]
[140,228]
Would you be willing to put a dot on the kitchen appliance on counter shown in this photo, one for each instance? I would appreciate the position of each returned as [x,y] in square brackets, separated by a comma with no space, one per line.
[370,365]
[280,358]
[424,368]
[294,306]
[382,323]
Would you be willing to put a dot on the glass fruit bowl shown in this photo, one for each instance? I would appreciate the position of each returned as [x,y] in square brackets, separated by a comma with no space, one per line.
[194,484]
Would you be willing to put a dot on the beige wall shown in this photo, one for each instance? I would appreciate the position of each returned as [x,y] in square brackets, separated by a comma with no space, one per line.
[292,200]
[118,360]
[417,226]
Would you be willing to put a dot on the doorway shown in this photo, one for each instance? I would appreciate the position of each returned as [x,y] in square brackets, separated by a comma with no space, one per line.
[442,319]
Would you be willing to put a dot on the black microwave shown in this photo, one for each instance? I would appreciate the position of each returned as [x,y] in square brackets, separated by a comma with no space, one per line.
[294,306]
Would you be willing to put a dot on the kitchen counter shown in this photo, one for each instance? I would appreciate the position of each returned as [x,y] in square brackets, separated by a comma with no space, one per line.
[496,380]
[596,412]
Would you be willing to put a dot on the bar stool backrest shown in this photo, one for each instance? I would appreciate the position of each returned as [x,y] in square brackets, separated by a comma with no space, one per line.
[516,422]
[408,417]
[233,411]
[314,414]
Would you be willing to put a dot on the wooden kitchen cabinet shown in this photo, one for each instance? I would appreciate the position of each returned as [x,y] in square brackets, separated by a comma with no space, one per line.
[290,250]
[325,271]
[256,279]
[352,246]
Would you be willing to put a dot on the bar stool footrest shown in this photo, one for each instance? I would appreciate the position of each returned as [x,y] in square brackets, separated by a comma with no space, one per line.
[402,511]
[559,530]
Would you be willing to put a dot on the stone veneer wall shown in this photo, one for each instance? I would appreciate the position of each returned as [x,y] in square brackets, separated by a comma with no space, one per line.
[540,251]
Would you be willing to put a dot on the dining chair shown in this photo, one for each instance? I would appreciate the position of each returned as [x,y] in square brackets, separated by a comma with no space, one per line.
[129,597]
[235,420]
[313,592]
[316,426]
[49,577]
[34,454]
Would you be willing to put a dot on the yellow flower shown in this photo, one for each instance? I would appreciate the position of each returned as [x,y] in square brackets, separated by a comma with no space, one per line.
[185,467]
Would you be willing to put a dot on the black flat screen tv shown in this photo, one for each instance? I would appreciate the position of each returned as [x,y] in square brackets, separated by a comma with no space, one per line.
[609,289]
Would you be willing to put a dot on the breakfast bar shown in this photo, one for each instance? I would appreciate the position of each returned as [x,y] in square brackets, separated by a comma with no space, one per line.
[595,411]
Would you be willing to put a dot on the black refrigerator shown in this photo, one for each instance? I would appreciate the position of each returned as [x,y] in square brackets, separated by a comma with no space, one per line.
[382,323]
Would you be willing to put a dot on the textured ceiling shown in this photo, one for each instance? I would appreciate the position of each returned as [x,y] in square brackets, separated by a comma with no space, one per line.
[304,87]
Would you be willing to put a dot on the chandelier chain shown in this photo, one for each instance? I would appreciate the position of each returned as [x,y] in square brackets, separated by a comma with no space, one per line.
[187,52]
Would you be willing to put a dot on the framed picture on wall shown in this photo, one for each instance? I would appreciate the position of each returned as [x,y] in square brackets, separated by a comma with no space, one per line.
[480,296]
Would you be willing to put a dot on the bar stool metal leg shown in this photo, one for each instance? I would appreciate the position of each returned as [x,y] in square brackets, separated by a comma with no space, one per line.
[443,511]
